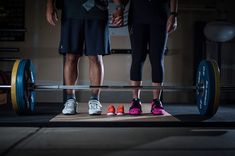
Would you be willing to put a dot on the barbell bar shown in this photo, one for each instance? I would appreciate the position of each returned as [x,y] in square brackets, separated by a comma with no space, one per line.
[23,87]
[118,88]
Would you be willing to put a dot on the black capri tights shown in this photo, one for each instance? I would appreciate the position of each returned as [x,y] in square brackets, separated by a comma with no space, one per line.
[144,37]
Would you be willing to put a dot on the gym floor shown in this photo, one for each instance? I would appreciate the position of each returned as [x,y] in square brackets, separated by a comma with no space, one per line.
[181,131]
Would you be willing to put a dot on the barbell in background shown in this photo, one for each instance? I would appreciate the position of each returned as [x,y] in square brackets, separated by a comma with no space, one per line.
[23,87]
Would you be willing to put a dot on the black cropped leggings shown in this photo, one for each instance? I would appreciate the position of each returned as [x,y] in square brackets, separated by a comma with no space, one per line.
[148,39]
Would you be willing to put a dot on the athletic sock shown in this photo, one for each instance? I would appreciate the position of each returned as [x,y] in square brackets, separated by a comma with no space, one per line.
[136,99]
[70,96]
[94,97]
[157,99]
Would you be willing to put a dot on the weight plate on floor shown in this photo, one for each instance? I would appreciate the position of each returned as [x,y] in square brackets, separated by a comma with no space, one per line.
[31,93]
[20,91]
[207,78]
[22,76]
[216,71]
[13,85]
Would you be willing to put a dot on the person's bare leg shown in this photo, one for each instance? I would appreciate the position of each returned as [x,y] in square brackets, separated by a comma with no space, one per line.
[136,92]
[135,108]
[157,107]
[157,92]
[70,78]
[96,73]
[71,71]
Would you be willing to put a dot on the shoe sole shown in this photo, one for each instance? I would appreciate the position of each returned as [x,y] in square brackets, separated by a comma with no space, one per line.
[95,113]
[135,114]
[111,114]
[135,111]
[120,114]
[69,113]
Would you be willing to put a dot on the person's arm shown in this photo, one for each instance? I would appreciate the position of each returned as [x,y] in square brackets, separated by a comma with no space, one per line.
[51,12]
[174,6]
[117,19]
[121,3]
[172,20]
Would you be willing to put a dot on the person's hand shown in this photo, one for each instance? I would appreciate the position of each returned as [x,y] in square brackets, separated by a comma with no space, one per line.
[51,14]
[171,24]
[118,19]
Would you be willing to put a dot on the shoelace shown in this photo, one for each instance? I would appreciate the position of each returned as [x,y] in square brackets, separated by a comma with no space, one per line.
[93,104]
[69,103]
[157,104]
[135,104]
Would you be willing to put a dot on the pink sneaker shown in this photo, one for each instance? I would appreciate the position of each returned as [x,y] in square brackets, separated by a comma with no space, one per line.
[135,108]
[157,107]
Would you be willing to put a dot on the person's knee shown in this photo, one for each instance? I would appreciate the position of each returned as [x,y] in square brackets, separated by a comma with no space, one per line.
[136,71]
[96,60]
[71,59]
[137,64]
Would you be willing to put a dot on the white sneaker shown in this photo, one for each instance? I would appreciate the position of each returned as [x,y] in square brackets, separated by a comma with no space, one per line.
[94,107]
[70,107]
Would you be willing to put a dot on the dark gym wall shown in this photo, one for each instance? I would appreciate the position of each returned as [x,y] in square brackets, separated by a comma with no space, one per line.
[41,43]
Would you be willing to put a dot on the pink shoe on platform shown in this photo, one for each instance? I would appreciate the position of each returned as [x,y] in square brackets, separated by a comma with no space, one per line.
[135,108]
[157,107]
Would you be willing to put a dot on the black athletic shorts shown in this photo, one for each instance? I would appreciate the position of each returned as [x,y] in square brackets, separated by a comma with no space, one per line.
[81,36]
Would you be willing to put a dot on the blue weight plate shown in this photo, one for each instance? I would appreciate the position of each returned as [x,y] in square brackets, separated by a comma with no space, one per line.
[205,97]
[29,95]
[24,96]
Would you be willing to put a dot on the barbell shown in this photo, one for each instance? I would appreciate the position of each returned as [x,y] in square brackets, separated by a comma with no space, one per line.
[23,87]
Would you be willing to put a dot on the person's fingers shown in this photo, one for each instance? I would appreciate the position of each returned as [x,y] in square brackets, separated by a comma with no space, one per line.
[52,16]
[54,19]
[117,19]
[113,18]
[56,16]
[50,19]
[119,23]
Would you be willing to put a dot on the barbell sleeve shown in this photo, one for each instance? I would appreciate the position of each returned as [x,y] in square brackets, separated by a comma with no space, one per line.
[5,86]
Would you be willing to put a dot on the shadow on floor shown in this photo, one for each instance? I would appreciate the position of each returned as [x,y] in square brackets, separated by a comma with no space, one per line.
[191,117]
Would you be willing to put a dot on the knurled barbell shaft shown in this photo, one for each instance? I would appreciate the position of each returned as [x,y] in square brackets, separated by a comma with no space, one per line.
[117,88]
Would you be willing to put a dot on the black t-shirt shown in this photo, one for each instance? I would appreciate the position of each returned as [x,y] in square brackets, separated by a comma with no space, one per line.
[85,9]
[149,11]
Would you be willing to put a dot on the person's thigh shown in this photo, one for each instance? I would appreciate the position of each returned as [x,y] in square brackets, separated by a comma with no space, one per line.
[72,36]
[97,37]
[139,36]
